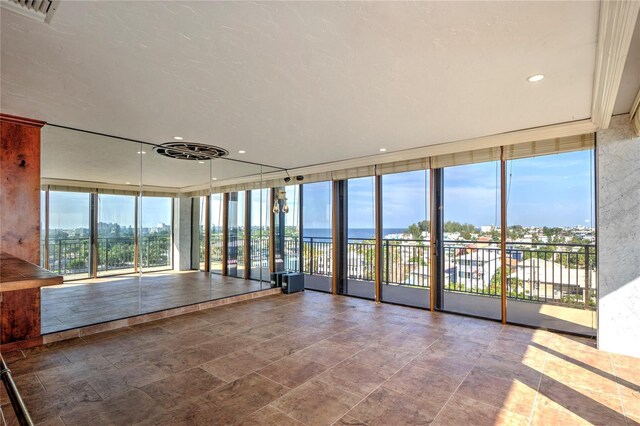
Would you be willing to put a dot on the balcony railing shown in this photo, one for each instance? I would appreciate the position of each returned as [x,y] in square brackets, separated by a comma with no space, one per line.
[70,256]
[562,274]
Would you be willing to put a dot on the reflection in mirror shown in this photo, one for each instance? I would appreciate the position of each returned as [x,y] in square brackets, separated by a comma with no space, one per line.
[135,232]
[90,185]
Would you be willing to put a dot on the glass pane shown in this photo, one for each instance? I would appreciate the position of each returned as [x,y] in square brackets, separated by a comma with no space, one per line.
[361,238]
[155,245]
[292,229]
[472,239]
[216,233]
[260,210]
[551,242]
[317,235]
[116,234]
[235,251]
[405,244]
[69,241]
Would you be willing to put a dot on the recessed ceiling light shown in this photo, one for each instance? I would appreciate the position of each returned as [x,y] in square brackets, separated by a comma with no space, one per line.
[141,152]
[214,178]
[242,151]
[383,150]
[127,183]
[535,78]
[200,162]
[178,138]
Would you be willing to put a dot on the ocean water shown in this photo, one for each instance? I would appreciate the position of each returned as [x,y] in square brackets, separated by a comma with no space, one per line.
[359,233]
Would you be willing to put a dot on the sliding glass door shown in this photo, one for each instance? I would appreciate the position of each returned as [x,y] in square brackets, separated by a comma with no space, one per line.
[471,249]
[406,239]
[116,234]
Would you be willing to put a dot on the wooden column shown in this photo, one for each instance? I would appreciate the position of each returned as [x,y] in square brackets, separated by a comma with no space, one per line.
[433,272]
[378,231]
[503,235]
[20,195]
[272,231]
[207,233]
[225,233]
[247,235]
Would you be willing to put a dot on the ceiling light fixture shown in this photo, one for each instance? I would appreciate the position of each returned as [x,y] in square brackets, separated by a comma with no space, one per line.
[383,150]
[141,152]
[535,78]
[214,178]
[200,162]
[127,183]
[242,151]
[178,138]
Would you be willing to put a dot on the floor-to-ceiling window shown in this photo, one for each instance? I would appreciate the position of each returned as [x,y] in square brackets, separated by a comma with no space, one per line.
[259,242]
[116,233]
[406,238]
[154,243]
[317,236]
[198,218]
[551,276]
[235,224]
[292,229]
[69,239]
[216,236]
[471,258]
[360,254]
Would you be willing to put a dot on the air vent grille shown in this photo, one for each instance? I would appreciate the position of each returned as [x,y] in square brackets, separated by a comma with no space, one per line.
[40,10]
[190,151]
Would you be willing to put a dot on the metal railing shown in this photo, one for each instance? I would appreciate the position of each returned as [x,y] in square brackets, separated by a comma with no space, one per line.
[22,414]
[562,274]
[70,256]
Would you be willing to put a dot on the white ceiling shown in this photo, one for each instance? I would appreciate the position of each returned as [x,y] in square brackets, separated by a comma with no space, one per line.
[300,83]
[78,156]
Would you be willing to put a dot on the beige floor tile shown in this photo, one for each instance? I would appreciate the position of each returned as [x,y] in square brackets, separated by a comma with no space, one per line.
[316,403]
[387,407]
[171,391]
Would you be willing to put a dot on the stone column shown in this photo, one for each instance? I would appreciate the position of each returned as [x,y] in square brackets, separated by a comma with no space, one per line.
[618,212]
[182,234]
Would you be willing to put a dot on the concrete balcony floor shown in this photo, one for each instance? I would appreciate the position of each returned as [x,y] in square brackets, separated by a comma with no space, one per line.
[316,359]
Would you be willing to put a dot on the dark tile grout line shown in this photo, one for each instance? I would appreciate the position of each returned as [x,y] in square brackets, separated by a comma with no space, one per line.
[624,412]
[475,363]
[535,399]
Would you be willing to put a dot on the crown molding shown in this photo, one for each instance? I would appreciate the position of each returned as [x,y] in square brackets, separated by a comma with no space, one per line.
[617,22]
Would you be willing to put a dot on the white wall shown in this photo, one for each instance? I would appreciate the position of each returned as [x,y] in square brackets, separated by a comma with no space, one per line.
[618,170]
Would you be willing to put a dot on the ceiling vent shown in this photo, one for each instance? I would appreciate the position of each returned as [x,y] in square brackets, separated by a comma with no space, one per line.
[40,10]
[190,151]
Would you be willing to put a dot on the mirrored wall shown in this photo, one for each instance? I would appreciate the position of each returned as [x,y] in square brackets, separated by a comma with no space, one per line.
[133,231]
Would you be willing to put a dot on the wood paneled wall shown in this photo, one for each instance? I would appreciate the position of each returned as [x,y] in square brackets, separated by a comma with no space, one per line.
[20,187]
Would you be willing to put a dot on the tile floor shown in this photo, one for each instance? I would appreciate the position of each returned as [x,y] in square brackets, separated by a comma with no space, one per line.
[81,303]
[316,359]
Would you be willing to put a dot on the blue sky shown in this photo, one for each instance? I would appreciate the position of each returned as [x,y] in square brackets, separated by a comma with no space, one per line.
[552,190]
